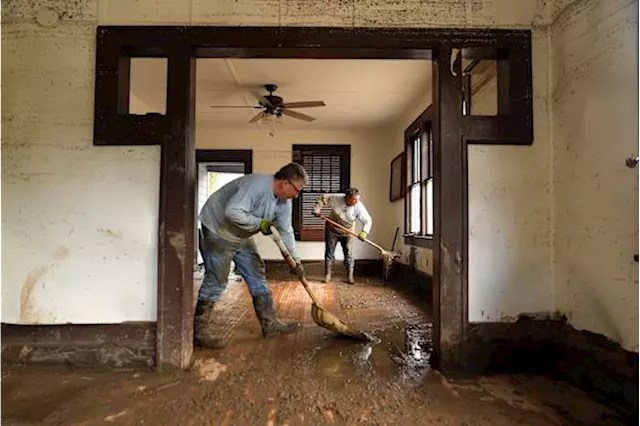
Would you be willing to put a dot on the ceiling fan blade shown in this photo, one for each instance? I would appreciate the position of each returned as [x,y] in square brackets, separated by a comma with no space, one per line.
[306,104]
[297,115]
[258,117]
[234,106]
[261,99]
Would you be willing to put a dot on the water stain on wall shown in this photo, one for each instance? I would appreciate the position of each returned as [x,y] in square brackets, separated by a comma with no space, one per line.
[28,310]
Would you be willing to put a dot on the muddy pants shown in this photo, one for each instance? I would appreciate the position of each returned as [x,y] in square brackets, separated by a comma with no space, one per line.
[217,254]
[331,240]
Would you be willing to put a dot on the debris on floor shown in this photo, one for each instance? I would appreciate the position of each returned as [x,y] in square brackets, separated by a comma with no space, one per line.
[308,377]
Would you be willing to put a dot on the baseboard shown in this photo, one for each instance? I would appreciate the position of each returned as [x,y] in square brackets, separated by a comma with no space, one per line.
[126,346]
[279,270]
[597,365]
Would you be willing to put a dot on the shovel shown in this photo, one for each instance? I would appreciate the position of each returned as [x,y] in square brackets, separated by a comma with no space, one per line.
[387,256]
[321,317]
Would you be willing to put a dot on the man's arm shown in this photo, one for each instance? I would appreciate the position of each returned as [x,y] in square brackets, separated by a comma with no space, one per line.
[285,227]
[239,207]
[363,216]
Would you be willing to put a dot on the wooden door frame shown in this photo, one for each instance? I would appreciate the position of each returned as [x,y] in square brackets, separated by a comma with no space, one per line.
[175,132]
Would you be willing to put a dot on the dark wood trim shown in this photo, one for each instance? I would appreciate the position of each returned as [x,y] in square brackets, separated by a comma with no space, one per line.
[306,42]
[81,345]
[244,156]
[419,241]
[450,210]
[176,234]
[174,131]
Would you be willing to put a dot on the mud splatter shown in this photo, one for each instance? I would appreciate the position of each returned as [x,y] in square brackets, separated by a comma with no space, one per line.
[209,369]
[109,232]
[27,310]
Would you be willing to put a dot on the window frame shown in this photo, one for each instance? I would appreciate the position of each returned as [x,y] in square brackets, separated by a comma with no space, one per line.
[344,151]
[423,127]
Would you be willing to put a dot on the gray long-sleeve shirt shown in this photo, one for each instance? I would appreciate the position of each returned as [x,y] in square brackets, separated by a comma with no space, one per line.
[234,211]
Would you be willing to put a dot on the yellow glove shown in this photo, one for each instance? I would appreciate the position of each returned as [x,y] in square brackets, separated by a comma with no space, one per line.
[362,235]
[265,226]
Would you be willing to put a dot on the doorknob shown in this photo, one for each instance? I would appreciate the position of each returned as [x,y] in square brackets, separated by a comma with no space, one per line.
[632,162]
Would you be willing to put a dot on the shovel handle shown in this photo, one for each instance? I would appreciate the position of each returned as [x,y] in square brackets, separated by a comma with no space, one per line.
[292,263]
[326,219]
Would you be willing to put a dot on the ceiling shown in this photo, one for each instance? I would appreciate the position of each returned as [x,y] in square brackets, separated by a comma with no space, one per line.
[357,93]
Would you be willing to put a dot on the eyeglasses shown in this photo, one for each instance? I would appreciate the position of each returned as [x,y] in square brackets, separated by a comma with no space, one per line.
[295,187]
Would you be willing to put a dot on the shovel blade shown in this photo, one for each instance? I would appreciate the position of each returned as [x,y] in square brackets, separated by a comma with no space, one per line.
[329,321]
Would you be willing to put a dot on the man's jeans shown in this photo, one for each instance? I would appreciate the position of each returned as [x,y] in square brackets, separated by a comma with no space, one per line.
[331,241]
[217,254]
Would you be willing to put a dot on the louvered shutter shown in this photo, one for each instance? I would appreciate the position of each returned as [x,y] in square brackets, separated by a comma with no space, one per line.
[327,167]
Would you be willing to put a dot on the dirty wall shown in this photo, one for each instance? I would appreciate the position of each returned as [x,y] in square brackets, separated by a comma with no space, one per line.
[79,235]
[594,95]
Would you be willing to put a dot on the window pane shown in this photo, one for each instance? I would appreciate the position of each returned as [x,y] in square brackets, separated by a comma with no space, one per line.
[416,159]
[429,205]
[414,210]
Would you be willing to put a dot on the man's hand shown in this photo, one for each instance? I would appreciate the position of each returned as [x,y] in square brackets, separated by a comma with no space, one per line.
[362,236]
[265,226]
[299,270]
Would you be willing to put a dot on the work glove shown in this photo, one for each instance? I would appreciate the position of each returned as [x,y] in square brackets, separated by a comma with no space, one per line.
[299,270]
[265,226]
[316,212]
[362,236]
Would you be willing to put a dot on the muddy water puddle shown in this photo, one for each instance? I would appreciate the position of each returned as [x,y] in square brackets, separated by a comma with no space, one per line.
[400,354]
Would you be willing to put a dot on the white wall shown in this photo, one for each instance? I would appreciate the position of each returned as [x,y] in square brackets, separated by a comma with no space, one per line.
[509,213]
[79,221]
[271,153]
[595,128]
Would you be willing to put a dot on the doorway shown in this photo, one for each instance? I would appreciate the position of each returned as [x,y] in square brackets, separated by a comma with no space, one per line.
[452,131]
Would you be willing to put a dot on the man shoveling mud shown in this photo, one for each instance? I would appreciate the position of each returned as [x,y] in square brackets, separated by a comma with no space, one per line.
[229,218]
[345,209]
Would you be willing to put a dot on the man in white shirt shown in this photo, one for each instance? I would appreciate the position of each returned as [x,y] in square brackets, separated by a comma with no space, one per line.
[345,210]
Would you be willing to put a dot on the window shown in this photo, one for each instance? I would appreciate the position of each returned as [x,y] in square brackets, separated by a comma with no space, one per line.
[419,200]
[329,168]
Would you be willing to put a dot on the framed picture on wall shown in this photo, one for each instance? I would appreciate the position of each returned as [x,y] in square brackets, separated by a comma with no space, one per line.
[398,178]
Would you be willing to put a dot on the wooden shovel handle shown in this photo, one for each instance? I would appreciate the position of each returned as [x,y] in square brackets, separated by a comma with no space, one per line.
[275,236]
[350,232]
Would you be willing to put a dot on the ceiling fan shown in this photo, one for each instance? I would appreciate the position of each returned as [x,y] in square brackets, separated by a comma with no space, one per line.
[273,105]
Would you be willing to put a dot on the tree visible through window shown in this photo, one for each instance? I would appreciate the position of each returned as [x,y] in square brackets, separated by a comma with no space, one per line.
[419,200]
[329,168]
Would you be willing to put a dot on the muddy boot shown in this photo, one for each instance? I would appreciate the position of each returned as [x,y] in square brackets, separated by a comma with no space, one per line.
[203,335]
[327,271]
[266,314]
[350,279]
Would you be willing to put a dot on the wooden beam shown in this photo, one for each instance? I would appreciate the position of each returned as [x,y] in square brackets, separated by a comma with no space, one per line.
[450,221]
[177,210]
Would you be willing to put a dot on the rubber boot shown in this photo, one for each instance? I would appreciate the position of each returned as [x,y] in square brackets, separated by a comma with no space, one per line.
[328,265]
[266,314]
[350,278]
[203,334]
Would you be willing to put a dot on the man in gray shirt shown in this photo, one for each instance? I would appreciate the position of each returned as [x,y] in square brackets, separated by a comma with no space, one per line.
[345,210]
[231,215]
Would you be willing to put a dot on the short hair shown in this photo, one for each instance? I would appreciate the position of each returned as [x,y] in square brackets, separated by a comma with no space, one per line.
[292,171]
[352,192]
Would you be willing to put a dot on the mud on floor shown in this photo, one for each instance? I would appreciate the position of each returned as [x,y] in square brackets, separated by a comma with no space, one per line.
[309,377]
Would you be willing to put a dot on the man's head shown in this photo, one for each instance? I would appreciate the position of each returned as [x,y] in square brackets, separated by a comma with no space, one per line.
[352,196]
[289,180]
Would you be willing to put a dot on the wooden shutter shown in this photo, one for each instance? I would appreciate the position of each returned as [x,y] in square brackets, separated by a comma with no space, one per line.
[328,169]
